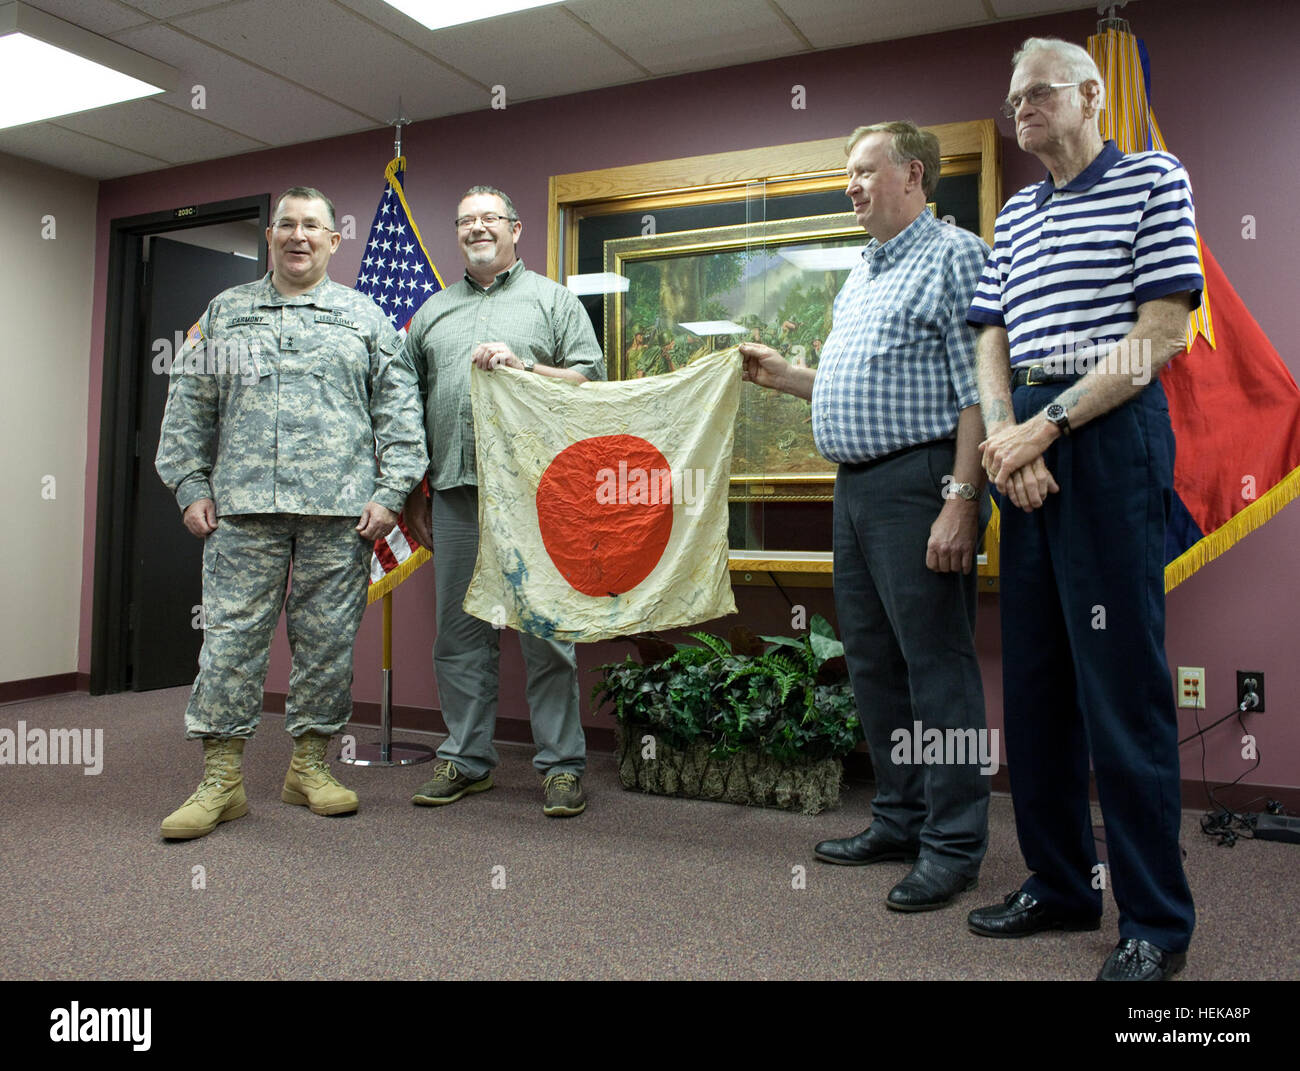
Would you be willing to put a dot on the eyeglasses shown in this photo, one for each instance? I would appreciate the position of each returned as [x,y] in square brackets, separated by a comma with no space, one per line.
[310,227]
[1036,95]
[490,219]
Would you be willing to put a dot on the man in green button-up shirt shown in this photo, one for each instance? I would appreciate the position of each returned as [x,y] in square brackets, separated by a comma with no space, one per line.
[292,436]
[498,314]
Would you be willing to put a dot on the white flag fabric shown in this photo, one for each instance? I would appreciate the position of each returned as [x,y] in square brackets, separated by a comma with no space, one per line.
[603,507]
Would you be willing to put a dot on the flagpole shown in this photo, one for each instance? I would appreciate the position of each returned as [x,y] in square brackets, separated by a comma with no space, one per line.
[397,124]
[383,753]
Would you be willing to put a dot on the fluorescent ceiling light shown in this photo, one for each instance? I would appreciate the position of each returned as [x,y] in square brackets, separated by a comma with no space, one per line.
[439,14]
[837,258]
[713,327]
[49,68]
[601,282]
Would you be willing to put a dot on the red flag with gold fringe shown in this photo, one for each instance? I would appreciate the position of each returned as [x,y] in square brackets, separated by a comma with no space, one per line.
[1233,403]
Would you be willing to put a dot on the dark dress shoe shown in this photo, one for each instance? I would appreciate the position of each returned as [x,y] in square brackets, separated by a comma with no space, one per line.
[866,847]
[1140,961]
[929,886]
[1020,914]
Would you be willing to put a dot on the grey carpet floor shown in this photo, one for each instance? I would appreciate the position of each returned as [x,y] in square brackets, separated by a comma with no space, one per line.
[637,887]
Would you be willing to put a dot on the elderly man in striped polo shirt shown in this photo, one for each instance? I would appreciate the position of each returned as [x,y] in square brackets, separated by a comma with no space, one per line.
[894,402]
[1083,300]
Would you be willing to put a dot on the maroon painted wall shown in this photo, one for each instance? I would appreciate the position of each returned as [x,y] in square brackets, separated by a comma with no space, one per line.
[1224,89]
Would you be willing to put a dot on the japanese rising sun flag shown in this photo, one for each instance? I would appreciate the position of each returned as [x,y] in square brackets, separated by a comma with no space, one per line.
[603,507]
[1233,404]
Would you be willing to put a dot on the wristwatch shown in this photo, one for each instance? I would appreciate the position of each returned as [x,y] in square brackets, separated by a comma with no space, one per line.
[528,363]
[962,490]
[1056,414]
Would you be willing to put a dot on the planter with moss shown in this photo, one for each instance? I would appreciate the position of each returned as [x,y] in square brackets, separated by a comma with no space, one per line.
[760,721]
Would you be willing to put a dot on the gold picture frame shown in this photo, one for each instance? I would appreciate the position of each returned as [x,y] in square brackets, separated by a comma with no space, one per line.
[747,274]
[967,148]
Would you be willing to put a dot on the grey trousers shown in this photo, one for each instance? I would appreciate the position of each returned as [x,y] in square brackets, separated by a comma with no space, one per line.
[466,660]
[909,640]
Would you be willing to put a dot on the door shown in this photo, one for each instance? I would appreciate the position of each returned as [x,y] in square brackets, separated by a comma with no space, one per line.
[166,583]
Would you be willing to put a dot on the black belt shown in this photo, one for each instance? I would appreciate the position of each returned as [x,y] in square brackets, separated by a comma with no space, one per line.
[893,454]
[1034,375]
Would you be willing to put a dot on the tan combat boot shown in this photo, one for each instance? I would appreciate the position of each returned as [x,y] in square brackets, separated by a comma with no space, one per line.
[309,781]
[219,797]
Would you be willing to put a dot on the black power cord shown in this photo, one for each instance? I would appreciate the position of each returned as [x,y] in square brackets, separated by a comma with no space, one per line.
[1223,823]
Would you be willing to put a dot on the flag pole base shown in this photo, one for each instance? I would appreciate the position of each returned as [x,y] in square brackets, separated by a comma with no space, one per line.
[386,753]
[393,755]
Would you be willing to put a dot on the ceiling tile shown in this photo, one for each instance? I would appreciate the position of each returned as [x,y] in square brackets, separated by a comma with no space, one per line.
[683,35]
[325,48]
[101,16]
[238,96]
[833,23]
[154,129]
[66,149]
[166,9]
[540,53]
[416,34]
[1019,9]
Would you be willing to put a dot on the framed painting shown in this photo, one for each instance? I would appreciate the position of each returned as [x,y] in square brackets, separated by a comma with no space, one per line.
[692,292]
[675,258]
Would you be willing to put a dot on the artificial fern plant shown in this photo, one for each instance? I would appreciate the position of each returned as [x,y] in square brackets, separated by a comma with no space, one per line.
[787,697]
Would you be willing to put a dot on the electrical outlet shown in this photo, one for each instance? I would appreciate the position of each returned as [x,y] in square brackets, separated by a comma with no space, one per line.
[1191,687]
[1250,680]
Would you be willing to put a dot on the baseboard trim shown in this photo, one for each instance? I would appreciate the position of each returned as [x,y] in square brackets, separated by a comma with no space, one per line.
[857,767]
[41,687]
[407,719]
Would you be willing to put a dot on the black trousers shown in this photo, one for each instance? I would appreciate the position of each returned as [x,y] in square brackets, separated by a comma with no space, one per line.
[909,640]
[1084,672]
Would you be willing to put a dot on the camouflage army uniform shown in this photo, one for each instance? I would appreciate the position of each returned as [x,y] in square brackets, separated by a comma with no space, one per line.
[276,410]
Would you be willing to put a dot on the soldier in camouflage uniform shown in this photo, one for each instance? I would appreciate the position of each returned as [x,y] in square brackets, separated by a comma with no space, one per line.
[286,392]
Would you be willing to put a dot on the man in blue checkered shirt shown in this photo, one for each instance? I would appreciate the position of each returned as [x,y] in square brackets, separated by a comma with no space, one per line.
[895,403]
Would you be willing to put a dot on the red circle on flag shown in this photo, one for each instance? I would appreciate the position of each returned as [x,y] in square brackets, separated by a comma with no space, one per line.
[605,510]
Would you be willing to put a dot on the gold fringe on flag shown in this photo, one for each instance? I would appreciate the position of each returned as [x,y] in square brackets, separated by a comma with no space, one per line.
[382,587]
[1240,524]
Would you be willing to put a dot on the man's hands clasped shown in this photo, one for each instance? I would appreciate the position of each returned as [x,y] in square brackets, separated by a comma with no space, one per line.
[1013,458]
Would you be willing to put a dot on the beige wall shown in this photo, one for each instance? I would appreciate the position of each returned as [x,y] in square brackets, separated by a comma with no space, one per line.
[46,292]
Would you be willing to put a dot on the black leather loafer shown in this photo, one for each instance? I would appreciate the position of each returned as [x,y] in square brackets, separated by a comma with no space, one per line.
[1140,961]
[1020,915]
[866,847]
[929,886]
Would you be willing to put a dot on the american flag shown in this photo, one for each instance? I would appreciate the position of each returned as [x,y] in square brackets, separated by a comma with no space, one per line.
[396,271]
[398,274]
